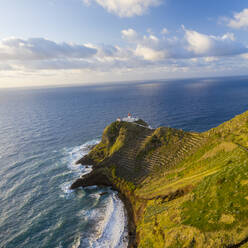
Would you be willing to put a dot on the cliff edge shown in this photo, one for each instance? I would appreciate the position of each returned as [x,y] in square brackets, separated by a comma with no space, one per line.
[181,189]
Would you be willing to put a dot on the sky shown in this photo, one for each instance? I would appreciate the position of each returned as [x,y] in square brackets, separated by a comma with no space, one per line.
[67,42]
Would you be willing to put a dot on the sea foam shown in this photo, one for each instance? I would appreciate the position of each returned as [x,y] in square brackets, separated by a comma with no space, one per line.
[71,156]
[113,231]
[107,215]
[75,153]
[110,224]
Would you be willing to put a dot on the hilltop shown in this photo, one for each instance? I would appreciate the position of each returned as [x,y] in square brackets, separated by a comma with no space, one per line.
[181,189]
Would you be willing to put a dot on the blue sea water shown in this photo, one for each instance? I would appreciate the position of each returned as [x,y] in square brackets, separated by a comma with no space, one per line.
[44,131]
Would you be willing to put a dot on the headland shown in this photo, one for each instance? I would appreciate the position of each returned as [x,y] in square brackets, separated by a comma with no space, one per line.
[180,189]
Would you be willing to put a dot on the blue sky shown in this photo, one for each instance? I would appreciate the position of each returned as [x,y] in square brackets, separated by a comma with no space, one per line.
[52,42]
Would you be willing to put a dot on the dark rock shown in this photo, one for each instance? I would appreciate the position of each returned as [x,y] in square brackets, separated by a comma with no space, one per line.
[96,177]
[85,160]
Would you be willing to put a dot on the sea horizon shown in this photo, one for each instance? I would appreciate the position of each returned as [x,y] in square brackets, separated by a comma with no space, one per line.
[116,83]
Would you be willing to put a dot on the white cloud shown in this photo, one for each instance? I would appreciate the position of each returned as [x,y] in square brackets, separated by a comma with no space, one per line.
[139,51]
[129,34]
[149,54]
[153,38]
[210,59]
[240,20]
[244,56]
[126,8]
[228,36]
[194,45]
[164,31]
[147,47]
[197,42]
[144,53]
[212,46]
[41,49]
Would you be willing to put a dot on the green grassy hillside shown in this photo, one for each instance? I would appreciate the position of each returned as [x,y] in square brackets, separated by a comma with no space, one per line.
[186,189]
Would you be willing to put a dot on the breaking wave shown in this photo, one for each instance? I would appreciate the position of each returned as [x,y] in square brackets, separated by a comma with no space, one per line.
[71,156]
[106,217]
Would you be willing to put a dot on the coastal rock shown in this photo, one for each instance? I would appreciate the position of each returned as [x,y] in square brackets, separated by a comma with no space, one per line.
[94,178]
[85,161]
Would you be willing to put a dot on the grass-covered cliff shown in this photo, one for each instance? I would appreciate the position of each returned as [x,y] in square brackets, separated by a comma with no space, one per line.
[184,189]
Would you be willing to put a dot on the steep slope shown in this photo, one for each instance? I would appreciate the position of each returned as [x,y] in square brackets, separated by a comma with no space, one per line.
[184,189]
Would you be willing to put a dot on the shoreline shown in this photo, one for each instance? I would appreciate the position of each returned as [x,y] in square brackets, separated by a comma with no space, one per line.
[131,227]
[101,181]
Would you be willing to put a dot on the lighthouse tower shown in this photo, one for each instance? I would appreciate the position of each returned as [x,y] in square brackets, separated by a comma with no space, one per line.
[129,118]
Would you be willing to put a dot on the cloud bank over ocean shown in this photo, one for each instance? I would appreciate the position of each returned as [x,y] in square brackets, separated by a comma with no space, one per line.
[134,50]
[138,51]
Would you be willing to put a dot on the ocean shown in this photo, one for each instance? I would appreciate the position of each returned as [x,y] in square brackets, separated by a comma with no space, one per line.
[43,131]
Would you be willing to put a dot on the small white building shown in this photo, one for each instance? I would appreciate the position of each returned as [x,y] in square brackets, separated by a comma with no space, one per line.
[129,118]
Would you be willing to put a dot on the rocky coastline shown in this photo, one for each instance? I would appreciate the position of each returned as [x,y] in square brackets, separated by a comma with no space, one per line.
[97,178]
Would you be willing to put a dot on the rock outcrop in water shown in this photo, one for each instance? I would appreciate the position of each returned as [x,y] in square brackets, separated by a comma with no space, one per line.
[181,189]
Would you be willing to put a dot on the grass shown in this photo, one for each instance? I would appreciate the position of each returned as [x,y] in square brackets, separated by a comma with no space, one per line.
[224,146]
[119,142]
[195,193]
[218,195]
[216,206]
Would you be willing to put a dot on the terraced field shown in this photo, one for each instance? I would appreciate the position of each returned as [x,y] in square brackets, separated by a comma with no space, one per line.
[186,189]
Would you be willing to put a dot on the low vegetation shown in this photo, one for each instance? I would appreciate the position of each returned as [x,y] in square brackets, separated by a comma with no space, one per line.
[186,189]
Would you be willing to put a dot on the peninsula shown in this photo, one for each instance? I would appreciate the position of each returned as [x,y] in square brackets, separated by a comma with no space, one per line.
[181,189]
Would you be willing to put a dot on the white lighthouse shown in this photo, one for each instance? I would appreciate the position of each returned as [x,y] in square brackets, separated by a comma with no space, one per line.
[129,118]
